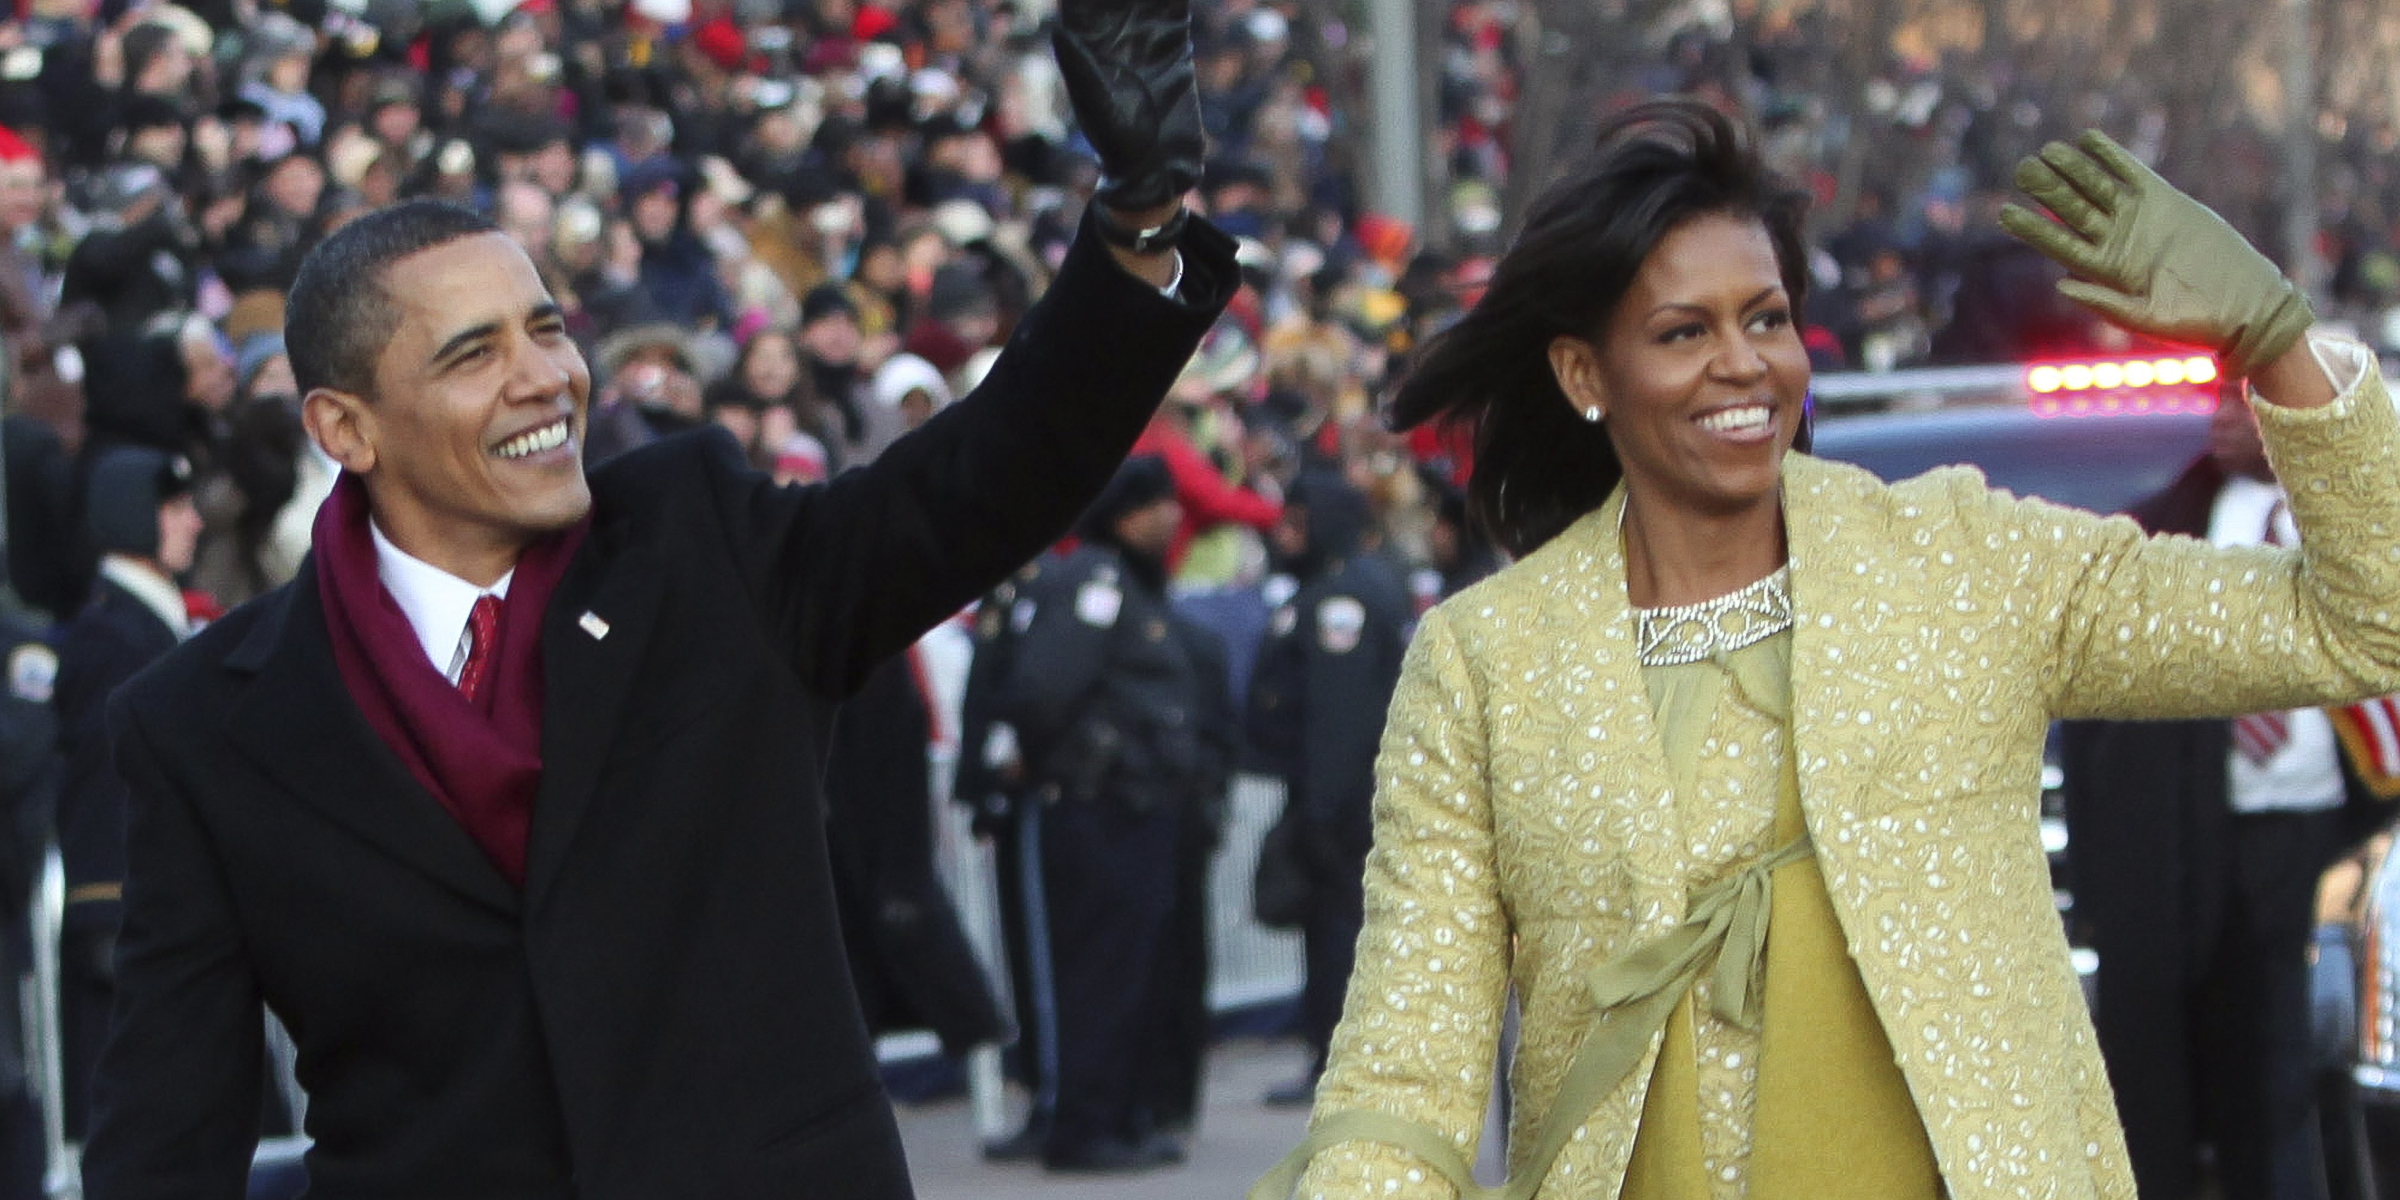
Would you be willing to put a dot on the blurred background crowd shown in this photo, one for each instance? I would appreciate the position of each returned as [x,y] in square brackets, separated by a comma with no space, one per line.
[813,220]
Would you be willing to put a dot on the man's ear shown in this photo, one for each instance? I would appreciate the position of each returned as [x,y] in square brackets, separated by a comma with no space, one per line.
[1576,365]
[343,426]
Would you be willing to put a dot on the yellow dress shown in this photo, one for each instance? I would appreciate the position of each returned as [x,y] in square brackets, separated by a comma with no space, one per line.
[1811,1103]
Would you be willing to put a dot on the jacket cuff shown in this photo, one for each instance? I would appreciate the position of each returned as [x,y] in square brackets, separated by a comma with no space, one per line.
[1209,277]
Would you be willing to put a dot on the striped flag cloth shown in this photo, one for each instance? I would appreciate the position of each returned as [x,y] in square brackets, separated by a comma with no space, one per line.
[2370,736]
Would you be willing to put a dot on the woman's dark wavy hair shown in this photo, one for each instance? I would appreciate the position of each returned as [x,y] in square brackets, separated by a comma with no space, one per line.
[1538,466]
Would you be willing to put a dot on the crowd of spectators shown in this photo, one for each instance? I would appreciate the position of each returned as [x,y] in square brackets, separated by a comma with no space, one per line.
[812,221]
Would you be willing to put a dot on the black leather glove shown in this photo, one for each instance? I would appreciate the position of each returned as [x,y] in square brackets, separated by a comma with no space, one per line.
[1128,71]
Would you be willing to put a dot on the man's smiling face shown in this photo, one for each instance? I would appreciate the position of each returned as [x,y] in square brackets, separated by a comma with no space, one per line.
[474,433]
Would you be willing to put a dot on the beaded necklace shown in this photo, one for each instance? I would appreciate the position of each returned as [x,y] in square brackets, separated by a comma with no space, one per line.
[1687,633]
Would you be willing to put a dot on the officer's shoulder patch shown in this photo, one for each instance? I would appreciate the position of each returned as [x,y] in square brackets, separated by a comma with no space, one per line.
[32,672]
[1097,602]
[1283,622]
[1340,622]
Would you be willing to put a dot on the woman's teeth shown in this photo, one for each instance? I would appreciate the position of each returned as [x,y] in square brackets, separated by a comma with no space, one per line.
[548,437]
[1737,420]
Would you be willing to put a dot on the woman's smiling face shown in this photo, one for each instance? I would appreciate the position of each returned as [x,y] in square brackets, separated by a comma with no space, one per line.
[1700,372]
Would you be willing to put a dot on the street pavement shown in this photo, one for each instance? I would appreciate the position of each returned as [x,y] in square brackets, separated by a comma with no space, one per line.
[1238,1140]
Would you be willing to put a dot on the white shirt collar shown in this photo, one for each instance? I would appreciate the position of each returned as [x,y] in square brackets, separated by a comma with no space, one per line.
[435,601]
[156,592]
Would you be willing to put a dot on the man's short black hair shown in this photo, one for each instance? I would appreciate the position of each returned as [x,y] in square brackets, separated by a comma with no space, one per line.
[338,315]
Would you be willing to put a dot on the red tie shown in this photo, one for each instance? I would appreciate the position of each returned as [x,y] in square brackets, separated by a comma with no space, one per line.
[2259,735]
[483,622]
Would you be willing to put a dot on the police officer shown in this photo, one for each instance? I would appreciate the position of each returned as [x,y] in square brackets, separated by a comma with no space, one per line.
[139,514]
[28,796]
[1111,709]
[990,782]
[1173,1094]
[1324,677]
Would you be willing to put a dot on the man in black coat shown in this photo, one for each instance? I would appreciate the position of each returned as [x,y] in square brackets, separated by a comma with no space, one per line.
[2195,848]
[1119,706]
[1317,698]
[138,512]
[909,956]
[507,805]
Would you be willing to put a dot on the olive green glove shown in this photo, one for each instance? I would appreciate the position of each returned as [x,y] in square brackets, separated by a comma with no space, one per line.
[2153,259]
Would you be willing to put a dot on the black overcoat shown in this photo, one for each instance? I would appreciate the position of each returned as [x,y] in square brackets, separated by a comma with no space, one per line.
[664,1010]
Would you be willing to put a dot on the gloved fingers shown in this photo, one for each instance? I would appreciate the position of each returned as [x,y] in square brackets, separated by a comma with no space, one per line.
[1086,81]
[2084,173]
[1092,18]
[2038,179]
[2107,301]
[2056,242]
[2119,161]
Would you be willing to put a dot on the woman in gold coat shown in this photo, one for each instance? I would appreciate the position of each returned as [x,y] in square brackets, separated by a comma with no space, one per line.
[1734,775]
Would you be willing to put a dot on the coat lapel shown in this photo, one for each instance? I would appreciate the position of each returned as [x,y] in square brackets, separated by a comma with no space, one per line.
[1841,590]
[296,721]
[1590,621]
[598,625]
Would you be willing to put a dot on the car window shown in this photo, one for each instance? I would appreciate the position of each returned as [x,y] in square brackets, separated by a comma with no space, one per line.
[2100,463]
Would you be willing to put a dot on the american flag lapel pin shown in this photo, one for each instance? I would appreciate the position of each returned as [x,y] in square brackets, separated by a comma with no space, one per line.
[593,625]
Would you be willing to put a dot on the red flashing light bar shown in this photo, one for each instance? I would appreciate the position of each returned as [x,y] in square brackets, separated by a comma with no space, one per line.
[2180,384]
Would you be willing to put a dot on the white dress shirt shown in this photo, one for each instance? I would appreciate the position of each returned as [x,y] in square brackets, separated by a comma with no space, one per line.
[435,602]
[2305,774]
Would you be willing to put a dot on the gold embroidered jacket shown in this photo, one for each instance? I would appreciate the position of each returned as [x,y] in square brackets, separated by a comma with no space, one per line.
[1524,829]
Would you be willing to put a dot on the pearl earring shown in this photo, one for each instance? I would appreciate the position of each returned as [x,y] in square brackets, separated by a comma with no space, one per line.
[1593,414]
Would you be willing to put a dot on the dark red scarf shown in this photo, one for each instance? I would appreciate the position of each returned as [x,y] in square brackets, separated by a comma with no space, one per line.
[483,760]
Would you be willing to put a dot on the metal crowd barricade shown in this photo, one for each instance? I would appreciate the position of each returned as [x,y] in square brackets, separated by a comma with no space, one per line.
[45,1058]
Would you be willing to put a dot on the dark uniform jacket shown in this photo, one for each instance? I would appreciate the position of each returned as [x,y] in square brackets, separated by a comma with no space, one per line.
[1115,697]
[988,778]
[663,1010]
[29,774]
[28,793]
[1324,678]
[107,643]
